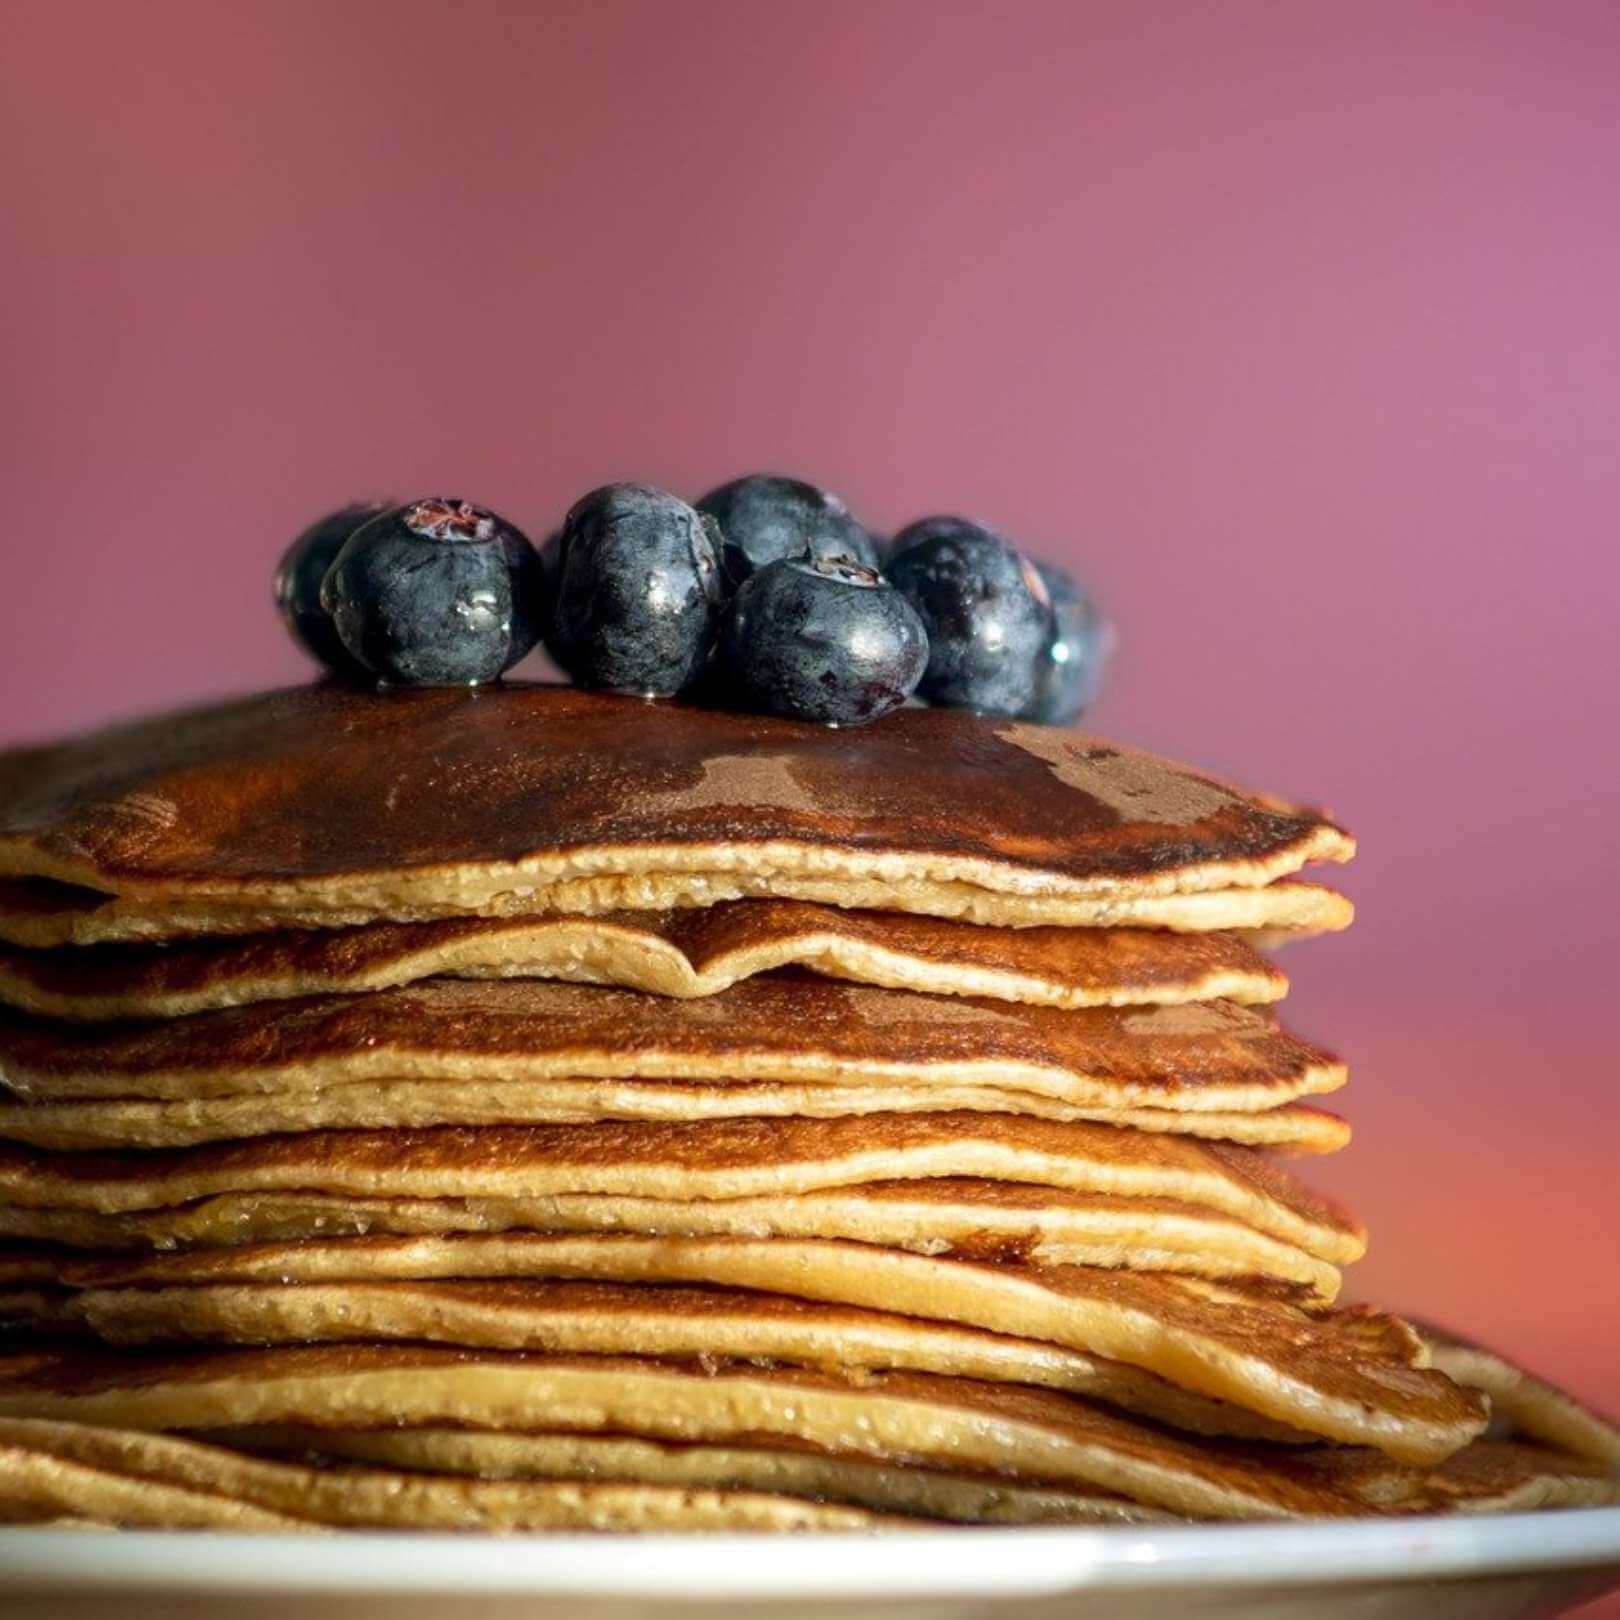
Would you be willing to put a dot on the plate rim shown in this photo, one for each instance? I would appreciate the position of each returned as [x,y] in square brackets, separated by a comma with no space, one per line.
[961,1564]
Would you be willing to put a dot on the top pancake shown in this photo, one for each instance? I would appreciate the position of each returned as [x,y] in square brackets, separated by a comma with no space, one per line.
[444,802]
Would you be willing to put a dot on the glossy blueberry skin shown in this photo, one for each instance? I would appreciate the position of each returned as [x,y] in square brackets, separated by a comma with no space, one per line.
[820,638]
[298,587]
[1069,671]
[985,610]
[436,592]
[765,517]
[637,591]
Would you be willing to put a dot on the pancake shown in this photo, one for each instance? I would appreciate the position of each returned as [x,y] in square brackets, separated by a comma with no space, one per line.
[1351,1375]
[1526,1405]
[970,1219]
[1484,1477]
[716,1159]
[331,799]
[973,1219]
[41,915]
[891,1340]
[673,953]
[42,1487]
[261,1217]
[24,1264]
[576,1317]
[916,1419]
[409,1104]
[803,1471]
[104,1476]
[433,1479]
[1510,1477]
[792,1028]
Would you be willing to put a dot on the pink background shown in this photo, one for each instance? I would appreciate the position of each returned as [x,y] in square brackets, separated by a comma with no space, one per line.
[1294,327]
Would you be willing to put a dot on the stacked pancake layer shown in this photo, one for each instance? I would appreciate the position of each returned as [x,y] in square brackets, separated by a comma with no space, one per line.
[530,1109]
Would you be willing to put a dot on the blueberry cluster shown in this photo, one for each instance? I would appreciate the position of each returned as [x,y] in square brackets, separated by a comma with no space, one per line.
[767,595]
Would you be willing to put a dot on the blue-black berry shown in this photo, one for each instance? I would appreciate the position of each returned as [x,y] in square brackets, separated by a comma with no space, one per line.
[1070,668]
[984,607]
[298,586]
[821,638]
[636,577]
[765,517]
[438,592]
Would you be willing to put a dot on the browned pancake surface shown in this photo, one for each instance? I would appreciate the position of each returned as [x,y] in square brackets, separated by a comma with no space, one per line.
[318,782]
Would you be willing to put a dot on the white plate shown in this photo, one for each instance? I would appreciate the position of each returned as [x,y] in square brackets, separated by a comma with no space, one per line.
[1481,1569]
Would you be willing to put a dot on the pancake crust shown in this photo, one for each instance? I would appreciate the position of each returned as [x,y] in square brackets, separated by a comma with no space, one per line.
[790,1028]
[1348,1375]
[673,953]
[322,795]
[1027,1435]
[108,1476]
[410,1104]
[721,1159]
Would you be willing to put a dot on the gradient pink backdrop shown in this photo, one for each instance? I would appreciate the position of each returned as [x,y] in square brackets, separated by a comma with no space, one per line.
[1293,327]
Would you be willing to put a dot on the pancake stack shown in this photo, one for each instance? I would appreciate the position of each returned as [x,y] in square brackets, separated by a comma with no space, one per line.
[534,1109]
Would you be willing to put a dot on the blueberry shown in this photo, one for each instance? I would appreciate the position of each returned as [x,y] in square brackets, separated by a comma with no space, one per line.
[764,517]
[298,586]
[436,593]
[1070,668]
[637,591]
[984,607]
[822,638]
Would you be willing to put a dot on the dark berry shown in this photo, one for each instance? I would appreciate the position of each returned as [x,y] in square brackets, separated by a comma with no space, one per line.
[637,591]
[985,609]
[436,593]
[764,517]
[298,586]
[1069,671]
[821,638]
